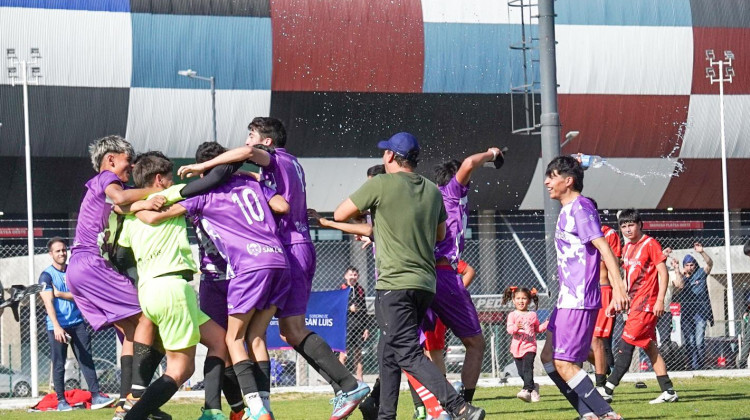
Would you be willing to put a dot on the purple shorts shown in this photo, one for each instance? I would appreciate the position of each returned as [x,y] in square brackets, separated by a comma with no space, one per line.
[576,331]
[103,295]
[258,289]
[212,295]
[301,259]
[452,303]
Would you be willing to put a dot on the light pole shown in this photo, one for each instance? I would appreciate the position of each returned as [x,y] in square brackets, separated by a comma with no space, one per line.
[26,67]
[726,73]
[194,75]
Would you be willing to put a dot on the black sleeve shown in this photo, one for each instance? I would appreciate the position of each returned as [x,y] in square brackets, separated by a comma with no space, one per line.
[46,280]
[213,178]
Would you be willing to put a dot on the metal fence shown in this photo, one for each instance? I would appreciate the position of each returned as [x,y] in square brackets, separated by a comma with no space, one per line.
[504,250]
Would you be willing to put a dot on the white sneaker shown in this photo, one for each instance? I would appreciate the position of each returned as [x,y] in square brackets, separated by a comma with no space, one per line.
[524,395]
[603,393]
[664,397]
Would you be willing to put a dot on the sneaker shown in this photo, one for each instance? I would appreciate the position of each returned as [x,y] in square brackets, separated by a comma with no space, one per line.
[263,414]
[63,406]
[420,413]
[470,413]
[100,400]
[348,401]
[524,395]
[611,416]
[589,416]
[369,408]
[535,397]
[664,397]
[603,392]
[212,414]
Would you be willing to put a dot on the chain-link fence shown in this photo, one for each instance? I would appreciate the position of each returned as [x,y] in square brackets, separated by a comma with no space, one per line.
[504,250]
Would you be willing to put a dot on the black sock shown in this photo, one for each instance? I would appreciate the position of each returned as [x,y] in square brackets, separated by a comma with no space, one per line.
[321,372]
[245,377]
[665,384]
[145,361]
[317,349]
[213,375]
[232,392]
[262,373]
[126,377]
[610,357]
[601,379]
[622,364]
[469,394]
[415,396]
[157,394]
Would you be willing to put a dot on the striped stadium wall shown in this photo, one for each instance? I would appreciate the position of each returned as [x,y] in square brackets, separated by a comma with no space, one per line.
[344,73]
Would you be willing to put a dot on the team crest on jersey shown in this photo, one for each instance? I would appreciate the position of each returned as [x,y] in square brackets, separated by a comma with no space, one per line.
[253,249]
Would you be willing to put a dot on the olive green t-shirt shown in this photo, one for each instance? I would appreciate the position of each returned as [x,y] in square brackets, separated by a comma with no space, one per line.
[408,208]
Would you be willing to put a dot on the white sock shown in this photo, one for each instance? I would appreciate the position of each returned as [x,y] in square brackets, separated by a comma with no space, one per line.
[253,402]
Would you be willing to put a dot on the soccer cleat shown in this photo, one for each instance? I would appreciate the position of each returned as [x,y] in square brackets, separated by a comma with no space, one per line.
[603,392]
[344,404]
[236,415]
[470,413]
[369,408]
[263,414]
[99,400]
[119,413]
[63,406]
[420,413]
[664,397]
[524,395]
[212,414]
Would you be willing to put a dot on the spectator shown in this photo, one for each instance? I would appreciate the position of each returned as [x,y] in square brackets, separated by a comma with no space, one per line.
[696,303]
[65,326]
[356,327]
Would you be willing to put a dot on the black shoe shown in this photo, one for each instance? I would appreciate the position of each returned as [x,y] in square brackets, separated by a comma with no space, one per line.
[470,413]
[159,415]
[369,408]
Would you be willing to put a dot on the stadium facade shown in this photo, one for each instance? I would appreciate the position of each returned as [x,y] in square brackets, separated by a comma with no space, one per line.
[343,74]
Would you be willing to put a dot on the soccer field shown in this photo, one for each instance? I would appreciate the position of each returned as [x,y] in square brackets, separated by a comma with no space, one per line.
[710,398]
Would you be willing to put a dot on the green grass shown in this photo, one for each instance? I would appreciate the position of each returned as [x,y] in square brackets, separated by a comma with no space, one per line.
[710,398]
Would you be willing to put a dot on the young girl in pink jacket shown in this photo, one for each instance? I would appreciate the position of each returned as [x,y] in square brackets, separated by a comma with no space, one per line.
[523,325]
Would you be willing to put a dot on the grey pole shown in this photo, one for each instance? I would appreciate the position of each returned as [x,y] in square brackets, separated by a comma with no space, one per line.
[213,105]
[550,122]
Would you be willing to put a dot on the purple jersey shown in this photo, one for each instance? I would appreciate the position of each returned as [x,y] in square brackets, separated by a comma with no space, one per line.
[93,229]
[287,177]
[577,258]
[212,265]
[455,198]
[237,218]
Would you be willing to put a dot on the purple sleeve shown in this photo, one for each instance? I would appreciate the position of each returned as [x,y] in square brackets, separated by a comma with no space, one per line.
[106,178]
[455,189]
[193,205]
[272,164]
[587,220]
[267,191]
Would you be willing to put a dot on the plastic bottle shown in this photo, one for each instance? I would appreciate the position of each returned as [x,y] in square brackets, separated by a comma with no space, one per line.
[590,161]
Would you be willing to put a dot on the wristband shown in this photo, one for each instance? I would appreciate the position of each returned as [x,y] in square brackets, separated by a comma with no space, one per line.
[494,155]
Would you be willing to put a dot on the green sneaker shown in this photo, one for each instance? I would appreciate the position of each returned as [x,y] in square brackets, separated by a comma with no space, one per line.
[420,413]
[212,414]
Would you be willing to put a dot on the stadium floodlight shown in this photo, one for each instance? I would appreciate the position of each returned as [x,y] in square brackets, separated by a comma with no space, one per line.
[725,73]
[570,135]
[194,75]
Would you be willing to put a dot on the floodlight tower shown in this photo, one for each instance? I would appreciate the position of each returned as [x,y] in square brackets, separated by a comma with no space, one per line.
[192,74]
[726,74]
[29,69]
